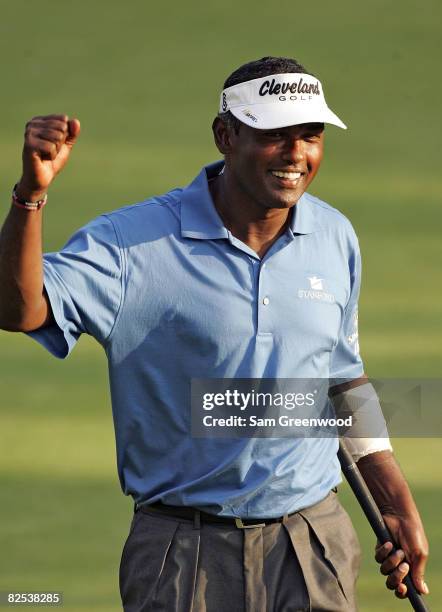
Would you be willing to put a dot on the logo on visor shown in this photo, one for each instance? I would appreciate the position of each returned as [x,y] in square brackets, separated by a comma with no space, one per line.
[270,88]
[247,113]
[224,103]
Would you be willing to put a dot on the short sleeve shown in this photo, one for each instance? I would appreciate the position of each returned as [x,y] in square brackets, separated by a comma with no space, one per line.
[83,282]
[346,362]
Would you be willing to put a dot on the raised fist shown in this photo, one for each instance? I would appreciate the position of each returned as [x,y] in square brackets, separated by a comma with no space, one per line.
[48,144]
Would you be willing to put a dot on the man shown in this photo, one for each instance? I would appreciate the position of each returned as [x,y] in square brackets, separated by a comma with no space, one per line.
[227,278]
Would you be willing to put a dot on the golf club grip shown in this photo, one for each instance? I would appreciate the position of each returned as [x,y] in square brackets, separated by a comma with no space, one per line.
[371,511]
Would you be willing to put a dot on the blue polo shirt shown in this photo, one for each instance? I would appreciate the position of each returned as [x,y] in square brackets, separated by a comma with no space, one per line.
[172,295]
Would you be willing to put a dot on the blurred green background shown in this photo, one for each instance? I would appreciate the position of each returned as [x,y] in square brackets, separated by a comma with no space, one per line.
[144,79]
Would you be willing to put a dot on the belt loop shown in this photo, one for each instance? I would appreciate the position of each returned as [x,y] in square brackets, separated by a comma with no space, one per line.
[197,520]
[285,518]
[240,524]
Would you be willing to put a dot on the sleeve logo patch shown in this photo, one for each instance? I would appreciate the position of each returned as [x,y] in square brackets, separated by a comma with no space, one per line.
[353,339]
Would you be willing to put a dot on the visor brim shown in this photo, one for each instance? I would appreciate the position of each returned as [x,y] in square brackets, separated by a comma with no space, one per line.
[273,116]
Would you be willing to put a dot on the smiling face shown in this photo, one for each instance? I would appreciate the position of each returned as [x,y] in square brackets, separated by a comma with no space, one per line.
[271,168]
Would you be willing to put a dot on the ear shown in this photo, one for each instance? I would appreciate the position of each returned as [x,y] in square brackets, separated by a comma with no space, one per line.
[222,135]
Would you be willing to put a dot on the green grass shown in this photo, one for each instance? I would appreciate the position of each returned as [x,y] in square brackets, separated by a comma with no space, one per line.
[144,80]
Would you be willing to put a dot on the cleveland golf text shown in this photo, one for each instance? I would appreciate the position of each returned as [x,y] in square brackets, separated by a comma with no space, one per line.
[269,87]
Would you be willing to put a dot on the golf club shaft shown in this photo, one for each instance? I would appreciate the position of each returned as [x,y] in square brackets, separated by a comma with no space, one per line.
[371,511]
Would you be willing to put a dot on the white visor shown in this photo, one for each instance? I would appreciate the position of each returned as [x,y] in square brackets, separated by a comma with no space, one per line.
[277,101]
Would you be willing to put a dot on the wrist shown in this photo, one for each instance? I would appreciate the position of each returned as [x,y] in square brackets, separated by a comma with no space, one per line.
[29,194]
[28,204]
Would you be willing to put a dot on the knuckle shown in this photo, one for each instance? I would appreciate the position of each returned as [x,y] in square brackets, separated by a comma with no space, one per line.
[381,554]
[394,579]
[58,128]
[403,569]
[385,569]
[378,550]
[29,143]
[49,135]
[29,126]
[46,146]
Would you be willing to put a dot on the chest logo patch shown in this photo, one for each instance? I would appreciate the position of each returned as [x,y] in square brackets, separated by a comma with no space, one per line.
[316,291]
[316,283]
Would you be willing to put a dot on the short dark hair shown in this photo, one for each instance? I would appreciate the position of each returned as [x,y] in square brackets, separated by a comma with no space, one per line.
[255,70]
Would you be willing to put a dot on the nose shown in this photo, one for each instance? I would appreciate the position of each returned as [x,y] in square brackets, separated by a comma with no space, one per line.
[294,150]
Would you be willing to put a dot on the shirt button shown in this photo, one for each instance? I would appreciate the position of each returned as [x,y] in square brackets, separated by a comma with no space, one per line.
[266,301]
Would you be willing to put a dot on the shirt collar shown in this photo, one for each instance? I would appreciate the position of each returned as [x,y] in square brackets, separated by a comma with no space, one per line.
[200,219]
[304,219]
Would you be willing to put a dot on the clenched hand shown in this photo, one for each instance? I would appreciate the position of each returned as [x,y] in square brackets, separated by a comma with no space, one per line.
[48,143]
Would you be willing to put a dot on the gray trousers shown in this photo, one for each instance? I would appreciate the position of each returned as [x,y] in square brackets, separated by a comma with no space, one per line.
[308,562]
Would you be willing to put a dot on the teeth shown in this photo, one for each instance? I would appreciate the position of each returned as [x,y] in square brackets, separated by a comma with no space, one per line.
[292,176]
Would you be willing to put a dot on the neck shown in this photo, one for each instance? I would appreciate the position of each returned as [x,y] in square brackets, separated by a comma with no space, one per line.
[256,226]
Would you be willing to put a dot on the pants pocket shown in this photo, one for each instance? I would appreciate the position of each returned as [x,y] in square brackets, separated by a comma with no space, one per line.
[123,552]
[143,561]
[175,590]
[332,535]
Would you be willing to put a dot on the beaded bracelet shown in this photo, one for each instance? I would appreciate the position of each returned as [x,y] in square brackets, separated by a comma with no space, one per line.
[16,201]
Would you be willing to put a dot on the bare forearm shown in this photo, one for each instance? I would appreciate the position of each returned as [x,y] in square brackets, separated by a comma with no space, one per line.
[392,494]
[22,304]
[387,484]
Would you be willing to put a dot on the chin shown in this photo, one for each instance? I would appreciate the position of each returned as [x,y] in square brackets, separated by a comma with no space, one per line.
[287,202]
[282,205]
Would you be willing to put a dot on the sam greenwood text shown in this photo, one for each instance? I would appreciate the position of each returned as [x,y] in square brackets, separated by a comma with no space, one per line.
[283,421]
